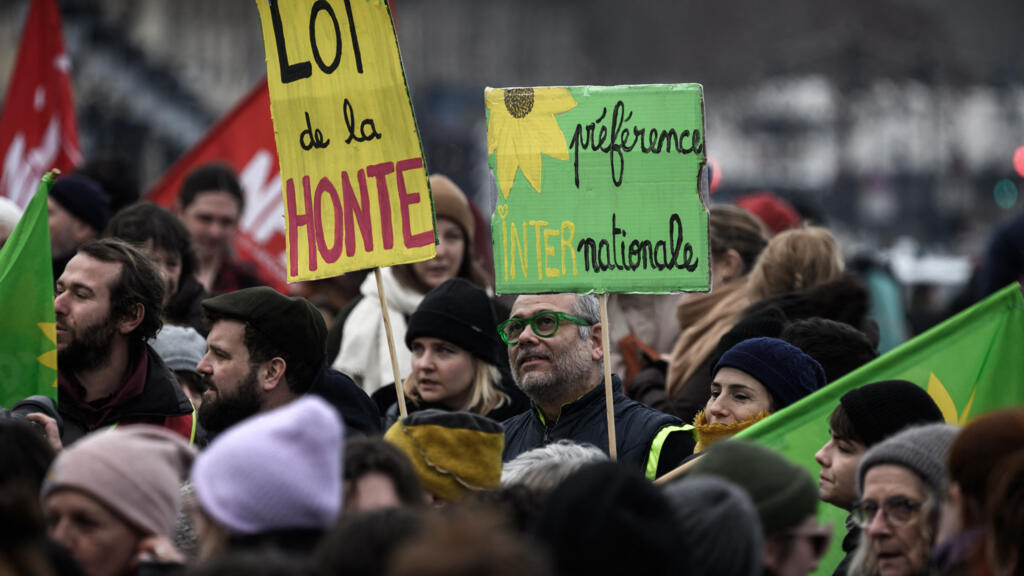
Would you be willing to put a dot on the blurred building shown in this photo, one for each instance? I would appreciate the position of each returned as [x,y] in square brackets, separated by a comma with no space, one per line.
[886,117]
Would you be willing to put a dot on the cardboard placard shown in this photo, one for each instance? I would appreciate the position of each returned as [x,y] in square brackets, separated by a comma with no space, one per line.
[600,189]
[354,182]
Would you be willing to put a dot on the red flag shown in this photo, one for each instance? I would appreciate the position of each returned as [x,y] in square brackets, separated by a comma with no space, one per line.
[244,140]
[37,126]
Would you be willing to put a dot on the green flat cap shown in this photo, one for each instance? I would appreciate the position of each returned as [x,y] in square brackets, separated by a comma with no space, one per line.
[292,324]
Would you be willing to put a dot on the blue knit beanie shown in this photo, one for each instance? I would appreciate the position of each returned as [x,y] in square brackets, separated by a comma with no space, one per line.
[782,368]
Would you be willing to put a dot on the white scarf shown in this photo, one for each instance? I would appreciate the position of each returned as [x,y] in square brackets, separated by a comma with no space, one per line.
[364,346]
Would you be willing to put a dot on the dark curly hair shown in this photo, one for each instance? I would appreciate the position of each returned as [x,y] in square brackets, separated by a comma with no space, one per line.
[146,221]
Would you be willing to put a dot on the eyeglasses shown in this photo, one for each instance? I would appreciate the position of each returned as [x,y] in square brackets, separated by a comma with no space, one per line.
[544,324]
[819,537]
[897,511]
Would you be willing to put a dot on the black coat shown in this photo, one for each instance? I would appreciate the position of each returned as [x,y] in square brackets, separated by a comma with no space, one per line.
[583,421]
[161,402]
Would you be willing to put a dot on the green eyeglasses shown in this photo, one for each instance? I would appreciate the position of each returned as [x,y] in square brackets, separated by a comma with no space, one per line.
[544,324]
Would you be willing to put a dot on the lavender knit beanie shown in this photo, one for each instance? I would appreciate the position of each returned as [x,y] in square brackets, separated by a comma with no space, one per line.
[275,471]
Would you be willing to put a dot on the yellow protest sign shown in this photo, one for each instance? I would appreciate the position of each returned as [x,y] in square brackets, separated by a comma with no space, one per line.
[354,182]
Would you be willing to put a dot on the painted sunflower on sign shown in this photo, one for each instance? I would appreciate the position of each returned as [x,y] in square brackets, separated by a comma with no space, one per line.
[521,126]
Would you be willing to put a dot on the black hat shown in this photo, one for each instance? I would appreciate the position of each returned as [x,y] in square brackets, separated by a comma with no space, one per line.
[292,324]
[881,409]
[84,199]
[458,312]
[607,519]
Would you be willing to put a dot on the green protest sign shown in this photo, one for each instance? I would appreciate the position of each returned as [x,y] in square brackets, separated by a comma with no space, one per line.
[599,189]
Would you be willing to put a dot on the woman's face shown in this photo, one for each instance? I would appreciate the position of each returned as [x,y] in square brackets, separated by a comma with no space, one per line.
[898,548]
[443,372]
[169,266]
[101,543]
[451,249]
[735,397]
[797,551]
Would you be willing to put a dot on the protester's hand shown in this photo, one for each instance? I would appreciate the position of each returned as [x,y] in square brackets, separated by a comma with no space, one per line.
[51,428]
[158,549]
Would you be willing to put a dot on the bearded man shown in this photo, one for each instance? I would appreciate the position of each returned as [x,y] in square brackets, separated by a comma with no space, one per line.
[266,349]
[108,304]
[556,357]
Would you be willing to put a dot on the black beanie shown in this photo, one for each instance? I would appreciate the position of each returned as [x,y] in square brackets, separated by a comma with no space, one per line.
[881,409]
[458,312]
[84,199]
[607,519]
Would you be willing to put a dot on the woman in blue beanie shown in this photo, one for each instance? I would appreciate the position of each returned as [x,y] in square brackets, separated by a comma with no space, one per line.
[752,380]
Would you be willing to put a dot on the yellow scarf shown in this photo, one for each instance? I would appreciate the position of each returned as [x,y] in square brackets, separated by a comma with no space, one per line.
[708,433]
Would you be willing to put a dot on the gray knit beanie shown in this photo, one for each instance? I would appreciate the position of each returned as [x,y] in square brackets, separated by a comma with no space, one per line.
[922,449]
[721,532]
[180,347]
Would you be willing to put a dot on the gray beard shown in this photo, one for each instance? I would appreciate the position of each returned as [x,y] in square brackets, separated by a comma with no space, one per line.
[569,374]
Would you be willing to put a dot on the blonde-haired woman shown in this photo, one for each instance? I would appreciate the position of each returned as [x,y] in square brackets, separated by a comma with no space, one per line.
[797,259]
[452,337]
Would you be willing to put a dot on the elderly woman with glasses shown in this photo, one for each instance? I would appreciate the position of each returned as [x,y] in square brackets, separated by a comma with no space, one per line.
[899,482]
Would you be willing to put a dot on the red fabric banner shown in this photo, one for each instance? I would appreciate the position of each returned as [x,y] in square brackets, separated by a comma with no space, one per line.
[244,140]
[38,131]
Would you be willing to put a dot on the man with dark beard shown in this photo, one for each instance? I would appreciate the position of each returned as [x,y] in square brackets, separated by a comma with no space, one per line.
[266,349]
[555,353]
[108,303]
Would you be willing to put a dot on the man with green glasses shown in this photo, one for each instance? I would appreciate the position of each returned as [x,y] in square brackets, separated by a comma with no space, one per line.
[554,351]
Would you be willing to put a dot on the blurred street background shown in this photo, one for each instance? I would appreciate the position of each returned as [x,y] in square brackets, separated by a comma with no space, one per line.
[895,123]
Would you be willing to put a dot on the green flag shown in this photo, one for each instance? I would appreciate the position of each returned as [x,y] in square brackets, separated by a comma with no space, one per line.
[970,364]
[28,334]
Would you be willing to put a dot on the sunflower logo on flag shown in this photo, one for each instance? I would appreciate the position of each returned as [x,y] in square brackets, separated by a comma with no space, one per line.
[521,126]
[49,358]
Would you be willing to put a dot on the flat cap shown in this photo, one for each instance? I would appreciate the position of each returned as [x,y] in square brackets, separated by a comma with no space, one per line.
[292,324]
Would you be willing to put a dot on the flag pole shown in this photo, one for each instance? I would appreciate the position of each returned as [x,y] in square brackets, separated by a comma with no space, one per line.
[399,389]
[676,472]
[609,405]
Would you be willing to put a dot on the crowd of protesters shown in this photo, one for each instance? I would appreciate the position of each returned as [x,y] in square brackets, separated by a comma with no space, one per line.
[206,424]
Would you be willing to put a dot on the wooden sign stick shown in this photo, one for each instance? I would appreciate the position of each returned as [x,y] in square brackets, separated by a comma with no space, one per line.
[399,388]
[676,472]
[609,406]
